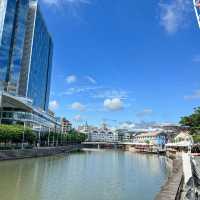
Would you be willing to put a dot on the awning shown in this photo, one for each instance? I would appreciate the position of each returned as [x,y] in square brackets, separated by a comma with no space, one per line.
[9,101]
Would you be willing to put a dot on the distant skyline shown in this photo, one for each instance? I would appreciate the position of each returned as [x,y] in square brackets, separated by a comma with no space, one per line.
[122,61]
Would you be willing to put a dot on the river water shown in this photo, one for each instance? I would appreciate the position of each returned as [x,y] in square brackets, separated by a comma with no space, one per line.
[89,175]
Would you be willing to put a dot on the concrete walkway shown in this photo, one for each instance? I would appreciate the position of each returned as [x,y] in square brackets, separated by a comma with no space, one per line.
[36,152]
[172,189]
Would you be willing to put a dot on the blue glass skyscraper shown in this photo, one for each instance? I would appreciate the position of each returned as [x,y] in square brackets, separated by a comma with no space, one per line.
[26,51]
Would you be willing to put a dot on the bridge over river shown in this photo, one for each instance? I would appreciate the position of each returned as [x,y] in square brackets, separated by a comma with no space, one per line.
[112,144]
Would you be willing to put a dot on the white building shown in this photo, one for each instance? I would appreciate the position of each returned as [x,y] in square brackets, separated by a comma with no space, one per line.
[124,135]
[101,135]
[183,139]
[157,138]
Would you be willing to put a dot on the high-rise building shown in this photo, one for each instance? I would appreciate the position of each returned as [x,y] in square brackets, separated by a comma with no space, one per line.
[26,51]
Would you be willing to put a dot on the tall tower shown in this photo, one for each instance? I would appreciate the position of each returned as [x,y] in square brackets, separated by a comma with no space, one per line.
[196,4]
[26,51]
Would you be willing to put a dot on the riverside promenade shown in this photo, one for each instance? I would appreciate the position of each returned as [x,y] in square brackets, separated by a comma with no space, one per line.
[37,152]
[184,181]
[173,187]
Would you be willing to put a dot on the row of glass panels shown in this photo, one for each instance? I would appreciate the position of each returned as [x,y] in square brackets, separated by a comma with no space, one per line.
[29,117]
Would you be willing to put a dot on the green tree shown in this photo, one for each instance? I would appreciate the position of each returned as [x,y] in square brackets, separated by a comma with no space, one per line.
[196,138]
[13,134]
[147,142]
[192,121]
[73,137]
[29,136]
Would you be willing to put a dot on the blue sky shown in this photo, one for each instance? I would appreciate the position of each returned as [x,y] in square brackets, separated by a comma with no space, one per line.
[123,60]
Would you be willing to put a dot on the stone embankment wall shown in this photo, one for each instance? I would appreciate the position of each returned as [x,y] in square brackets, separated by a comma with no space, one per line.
[36,152]
[192,187]
[173,187]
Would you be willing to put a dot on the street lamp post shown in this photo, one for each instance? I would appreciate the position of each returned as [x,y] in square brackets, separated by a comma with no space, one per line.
[53,140]
[48,137]
[0,115]
[23,136]
[57,139]
[60,138]
[62,134]
[39,136]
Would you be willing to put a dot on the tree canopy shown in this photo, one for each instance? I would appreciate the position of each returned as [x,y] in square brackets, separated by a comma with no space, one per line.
[192,121]
[13,134]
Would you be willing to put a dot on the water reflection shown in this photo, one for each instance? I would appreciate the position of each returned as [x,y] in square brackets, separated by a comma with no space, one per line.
[103,175]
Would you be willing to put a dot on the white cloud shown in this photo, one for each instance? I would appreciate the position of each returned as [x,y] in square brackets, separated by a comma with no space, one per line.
[98,92]
[53,105]
[78,106]
[77,90]
[127,125]
[196,58]
[174,14]
[71,79]
[78,118]
[145,112]
[195,95]
[110,94]
[91,79]
[113,104]
[142,125]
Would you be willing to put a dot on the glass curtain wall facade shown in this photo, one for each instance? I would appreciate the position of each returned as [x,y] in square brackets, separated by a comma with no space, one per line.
[7,24]
[16,50]
[26,51]
[2,17]
[41,56]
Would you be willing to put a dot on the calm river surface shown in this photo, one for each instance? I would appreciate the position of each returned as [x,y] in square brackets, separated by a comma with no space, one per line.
[91,175]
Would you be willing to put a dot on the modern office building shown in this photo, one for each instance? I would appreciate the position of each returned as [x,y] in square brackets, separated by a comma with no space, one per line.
[26,51]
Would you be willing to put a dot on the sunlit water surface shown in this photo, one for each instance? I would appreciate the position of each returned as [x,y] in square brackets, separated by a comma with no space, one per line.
[90,175]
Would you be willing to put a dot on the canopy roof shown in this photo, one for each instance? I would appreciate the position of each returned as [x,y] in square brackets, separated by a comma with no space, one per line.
[23,104]
[10,101]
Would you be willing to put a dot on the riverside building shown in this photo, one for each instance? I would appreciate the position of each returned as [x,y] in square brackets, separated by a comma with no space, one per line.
[26,51]
[66,126]
[102,134]
[157,138]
